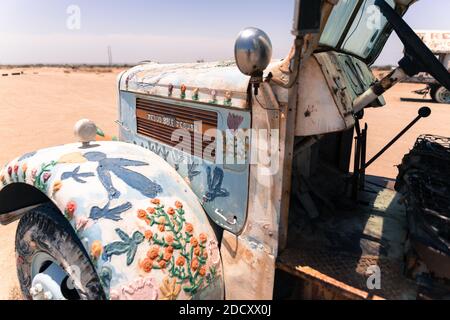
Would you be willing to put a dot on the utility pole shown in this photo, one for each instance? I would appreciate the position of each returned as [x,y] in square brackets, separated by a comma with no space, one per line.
[109,56]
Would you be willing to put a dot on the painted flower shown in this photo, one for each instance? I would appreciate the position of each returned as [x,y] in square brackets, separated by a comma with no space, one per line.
[170,289]
[169,239]
[142,214]
[234,121]
[189,228]
[83,223]
[34,173]
[167,256]
[57,186]
[178,205]
[194,242]
[171,211]
[153,253]
[169,249]
[161,228]
[147,265]
[16,168]
[197,251]
[151,210]
[46,176]
[148,234]
[96,249]
[180,261]
[24,167]
[155,201]
[203,237]
[71,206]
[214,252]
[10,170]
[205,255]
[202,271]
[162,264]
[2,179]
[195,264]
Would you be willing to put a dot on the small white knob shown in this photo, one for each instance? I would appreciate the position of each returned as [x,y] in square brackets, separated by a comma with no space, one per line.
[85,130]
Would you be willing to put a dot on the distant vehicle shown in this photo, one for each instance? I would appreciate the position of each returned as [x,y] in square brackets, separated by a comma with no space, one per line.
[439,43]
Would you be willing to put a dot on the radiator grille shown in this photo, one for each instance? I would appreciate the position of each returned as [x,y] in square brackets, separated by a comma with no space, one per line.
[158,120]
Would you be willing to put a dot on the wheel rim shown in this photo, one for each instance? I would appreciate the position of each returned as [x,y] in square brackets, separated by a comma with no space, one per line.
[49,280]
[444,95]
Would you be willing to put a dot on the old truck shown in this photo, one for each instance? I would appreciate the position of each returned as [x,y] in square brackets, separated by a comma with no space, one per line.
[231,180]
[439,43]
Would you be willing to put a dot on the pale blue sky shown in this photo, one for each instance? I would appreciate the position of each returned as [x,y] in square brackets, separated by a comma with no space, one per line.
[168,31]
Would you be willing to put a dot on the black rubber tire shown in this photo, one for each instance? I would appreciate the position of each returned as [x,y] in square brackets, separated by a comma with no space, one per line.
[44,229]
[433,89]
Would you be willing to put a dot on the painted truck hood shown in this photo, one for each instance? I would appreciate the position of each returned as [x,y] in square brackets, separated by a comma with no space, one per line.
[142,226]
[212,81]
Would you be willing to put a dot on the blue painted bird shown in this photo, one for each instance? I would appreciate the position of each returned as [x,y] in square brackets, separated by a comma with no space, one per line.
[117,166]
[75,175]
[107,213]
[215,189]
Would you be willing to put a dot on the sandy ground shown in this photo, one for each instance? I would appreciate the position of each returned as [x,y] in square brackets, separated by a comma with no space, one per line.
[39,108]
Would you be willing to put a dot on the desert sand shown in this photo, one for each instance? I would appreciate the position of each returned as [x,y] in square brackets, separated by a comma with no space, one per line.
[39,108]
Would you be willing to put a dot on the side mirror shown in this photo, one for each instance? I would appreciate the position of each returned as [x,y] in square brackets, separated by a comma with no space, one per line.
[307,17]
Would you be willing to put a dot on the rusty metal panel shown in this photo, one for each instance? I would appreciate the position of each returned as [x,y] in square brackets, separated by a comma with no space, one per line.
[159,120]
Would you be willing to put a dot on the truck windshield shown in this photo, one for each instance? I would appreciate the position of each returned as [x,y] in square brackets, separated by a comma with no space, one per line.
[355,27]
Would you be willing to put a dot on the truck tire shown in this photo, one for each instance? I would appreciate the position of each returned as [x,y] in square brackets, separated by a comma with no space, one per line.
[441,95]
[47,246]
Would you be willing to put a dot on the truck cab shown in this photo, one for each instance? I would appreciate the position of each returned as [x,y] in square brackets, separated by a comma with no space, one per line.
[231,179]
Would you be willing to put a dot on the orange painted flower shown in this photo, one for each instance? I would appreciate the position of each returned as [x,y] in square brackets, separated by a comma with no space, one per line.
[171,211]
[178,205]
[155,201]
[189,228]
[197,251]
[148,234]
[169,249]
[151,210]
[57,186]
[195,264]
[194,242]
[169,239]
[147,265]
[162,220]
[153,253]
[162,264]
[180,261]
[142,214]
[24,167]
[167,256]
[203,237]
[205,255]
[202,271]
[161,228]
[71,206]
[96,249]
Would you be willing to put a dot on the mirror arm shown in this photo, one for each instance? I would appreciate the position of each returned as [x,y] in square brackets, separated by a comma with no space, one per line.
[293,66]
[378,89]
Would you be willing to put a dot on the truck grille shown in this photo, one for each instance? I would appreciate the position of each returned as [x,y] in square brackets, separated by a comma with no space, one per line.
[158,120]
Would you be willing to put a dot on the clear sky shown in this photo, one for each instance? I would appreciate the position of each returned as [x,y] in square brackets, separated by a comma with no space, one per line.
[167,31]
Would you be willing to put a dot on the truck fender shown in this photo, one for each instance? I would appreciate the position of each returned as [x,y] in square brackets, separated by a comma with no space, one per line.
[136,217]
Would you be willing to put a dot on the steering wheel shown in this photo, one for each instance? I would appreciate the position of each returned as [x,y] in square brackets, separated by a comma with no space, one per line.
[418,57]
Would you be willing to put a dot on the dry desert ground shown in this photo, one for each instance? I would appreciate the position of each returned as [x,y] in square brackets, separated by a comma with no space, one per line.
[39,108]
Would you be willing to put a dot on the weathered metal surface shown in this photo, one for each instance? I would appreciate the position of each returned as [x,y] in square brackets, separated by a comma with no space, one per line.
[143,227]
[221,186]
[217,83]
[365,237]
